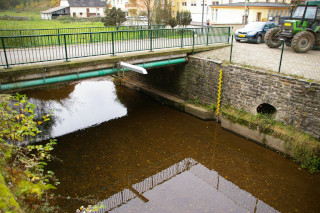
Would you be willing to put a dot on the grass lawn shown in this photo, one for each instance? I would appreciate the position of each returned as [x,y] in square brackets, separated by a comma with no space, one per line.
[38,23]
[45,24]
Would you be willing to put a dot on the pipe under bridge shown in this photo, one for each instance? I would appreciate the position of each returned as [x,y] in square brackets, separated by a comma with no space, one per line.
[27,76]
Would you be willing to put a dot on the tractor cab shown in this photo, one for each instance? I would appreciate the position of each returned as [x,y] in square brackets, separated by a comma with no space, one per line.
[302,31]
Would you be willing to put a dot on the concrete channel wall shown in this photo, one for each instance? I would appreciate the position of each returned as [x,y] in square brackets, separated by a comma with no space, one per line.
[297,102]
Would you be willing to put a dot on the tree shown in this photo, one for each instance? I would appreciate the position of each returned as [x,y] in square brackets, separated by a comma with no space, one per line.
[54,3]
[114,17]
[184,18]
[146,7]
[172,22]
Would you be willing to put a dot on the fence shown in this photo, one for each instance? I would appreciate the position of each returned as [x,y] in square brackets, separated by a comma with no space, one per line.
[21,32]
[41,48]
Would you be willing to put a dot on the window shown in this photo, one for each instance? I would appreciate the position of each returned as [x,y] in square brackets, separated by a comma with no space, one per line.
[184,3]
[213,15]
[98,9]
[193,4]
[80,13]
[311,12]
[216,14]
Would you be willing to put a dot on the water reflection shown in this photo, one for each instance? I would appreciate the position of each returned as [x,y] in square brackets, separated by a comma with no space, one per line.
[77,106]
[108,158]
[186,186]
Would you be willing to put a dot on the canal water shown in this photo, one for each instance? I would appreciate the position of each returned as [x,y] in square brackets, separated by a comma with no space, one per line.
[127,153]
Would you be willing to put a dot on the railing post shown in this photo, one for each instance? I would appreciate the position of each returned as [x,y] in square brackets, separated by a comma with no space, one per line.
[21,39]
[192,42]
[208,36]
[4,51]
[150,40]
[90,36]
[281,56]
[65,46]
[231,49]
[182,38]
[112,38]
[59,37]
[229,34]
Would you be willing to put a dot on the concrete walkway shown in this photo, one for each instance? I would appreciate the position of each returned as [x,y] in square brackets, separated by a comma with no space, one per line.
[305,65]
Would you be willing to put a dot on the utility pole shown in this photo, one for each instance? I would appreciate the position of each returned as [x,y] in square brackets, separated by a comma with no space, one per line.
[245,11]
[202,12]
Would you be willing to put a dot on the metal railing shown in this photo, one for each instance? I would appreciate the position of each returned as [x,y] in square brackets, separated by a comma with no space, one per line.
[41,48]
[21,32]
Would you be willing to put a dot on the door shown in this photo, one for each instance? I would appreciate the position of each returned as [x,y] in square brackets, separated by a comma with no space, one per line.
[258,16]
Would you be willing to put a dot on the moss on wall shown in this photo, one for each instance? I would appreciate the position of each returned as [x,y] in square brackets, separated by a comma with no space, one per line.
[304,148]
[7,200]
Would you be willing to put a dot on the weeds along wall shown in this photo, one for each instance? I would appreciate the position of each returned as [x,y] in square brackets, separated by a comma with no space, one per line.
[297,102]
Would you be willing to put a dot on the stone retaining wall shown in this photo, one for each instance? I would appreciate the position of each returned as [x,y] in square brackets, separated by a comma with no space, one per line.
[297,102]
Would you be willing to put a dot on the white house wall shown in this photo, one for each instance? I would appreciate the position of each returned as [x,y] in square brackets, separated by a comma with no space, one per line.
[227,16]
[83,10]
[195,7]
[46,16]
[64,3]
[119,4]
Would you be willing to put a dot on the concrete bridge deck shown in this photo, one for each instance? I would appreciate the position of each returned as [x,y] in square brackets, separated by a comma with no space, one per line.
[50,69]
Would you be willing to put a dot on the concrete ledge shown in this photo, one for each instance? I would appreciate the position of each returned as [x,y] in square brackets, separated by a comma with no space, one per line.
[170,100]
[255,135]
[199,112]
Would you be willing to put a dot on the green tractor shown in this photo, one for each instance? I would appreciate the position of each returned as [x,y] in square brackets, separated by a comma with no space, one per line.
[302,31]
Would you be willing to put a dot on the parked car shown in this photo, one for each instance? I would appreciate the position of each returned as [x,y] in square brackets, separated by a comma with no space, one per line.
[254,31]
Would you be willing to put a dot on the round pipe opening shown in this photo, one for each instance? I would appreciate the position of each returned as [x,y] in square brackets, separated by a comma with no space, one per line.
[266,109]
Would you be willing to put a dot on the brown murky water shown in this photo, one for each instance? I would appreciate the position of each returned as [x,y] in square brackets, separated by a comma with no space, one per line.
[132,154]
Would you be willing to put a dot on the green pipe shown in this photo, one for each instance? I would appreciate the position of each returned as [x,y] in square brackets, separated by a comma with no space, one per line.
[71,77]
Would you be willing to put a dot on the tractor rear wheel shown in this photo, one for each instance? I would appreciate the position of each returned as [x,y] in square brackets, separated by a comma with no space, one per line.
[302,42]
[270,39]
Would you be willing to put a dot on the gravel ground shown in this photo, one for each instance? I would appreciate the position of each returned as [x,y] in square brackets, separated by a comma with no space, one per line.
[306,65]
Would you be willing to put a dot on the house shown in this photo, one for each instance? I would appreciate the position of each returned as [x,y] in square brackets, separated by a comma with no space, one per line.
[82,8]
[243,12]
[85,8]
[55,12]
[196,7]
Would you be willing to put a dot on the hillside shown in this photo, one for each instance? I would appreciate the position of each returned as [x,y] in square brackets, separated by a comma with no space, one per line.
[28,5]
